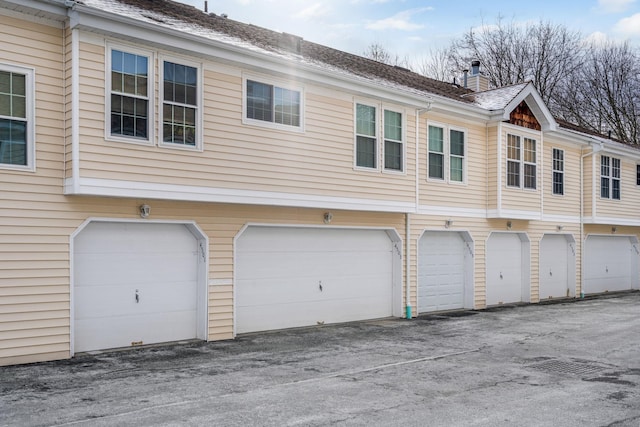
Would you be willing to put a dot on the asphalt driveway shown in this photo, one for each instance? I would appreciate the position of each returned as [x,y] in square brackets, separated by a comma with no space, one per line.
[566,364]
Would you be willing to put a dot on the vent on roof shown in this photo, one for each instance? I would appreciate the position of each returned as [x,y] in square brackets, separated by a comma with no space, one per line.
[290,42]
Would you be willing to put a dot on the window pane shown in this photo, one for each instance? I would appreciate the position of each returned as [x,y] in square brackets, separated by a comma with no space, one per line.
[392,125]
[365,152]
[129,62]
[365,120]
[604,187]
[18,82]
[287,106]
[13,142]
[393,155]
[117,60]
[5,82]
[529,150]
[5,104]
[259,101]
[436,166]
[558,183]
[513,147]
[456,169]
[615,190]
[529,176]
[436,139]
[513,174]
[457,143]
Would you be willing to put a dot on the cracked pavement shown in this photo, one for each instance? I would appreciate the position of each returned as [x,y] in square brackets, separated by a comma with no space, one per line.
[572,363]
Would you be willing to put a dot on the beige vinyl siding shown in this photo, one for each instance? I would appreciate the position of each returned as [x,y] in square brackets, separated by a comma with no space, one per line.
[567,204]
[521,199]
[34,243]
[627,207]
[319,161]
[472,193]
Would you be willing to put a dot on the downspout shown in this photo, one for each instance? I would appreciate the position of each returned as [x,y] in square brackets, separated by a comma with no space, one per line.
[407,259]
[75,111]
[595,149]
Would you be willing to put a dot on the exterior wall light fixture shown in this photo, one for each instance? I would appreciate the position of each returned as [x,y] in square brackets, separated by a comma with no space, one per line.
[145,211]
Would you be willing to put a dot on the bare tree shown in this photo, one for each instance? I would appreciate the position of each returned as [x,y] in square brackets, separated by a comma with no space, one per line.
[438,65]
[379,53]
[605,94]
[542,53]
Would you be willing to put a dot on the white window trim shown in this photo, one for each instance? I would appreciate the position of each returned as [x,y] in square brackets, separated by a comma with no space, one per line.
[446,152]
[563,172]
[355,137]
[30,110]
[150,140]
[199,99]
[403,142]
[610,177]
[276,83]
[522,162]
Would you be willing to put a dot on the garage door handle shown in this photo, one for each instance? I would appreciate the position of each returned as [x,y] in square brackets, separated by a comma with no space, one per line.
[137,297]
[320,285]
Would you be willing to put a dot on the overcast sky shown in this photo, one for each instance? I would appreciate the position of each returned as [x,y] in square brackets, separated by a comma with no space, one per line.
[410,28]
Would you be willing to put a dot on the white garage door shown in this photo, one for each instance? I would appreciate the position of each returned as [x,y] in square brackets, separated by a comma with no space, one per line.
[134,283]
[505,268]
[554,267]
[441,271]
[289,277]
[610,264]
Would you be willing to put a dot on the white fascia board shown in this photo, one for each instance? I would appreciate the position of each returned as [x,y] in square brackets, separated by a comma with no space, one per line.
[561,218]
[599,220]
[145,190]
[567,135]
[254,58]
[514,214]
[608,146]
[451,211]
[50,12]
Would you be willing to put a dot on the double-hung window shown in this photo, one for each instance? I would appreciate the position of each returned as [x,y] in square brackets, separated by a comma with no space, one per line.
[17,149]
[268,103]
[521,162]
[445,154]
[180,104]
[370,146]
[366,137]
[393,145]
[558,171]
[609,177]
[129,86]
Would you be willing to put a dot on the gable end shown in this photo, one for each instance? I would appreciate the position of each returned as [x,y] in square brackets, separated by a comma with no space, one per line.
[524,117]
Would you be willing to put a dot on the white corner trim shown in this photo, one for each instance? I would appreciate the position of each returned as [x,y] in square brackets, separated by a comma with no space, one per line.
[146,190]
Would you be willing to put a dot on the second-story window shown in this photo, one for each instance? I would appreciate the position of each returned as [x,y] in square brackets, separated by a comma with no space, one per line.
[393,146]
[16,118]
[129,85]
[273,104]
[521,162]
[558,171]
[445,154]
[435,166]
[366,137]
[609,177]
[180,112]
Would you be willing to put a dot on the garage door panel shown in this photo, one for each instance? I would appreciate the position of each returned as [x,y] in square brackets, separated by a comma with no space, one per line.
[113,262]
[91,335]
[554,267]
[441,266]
[610,264]
[280,271]
[504,269]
